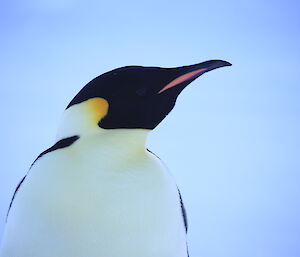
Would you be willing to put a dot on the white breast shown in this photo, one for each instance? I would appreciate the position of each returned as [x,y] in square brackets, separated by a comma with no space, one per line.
[91,201]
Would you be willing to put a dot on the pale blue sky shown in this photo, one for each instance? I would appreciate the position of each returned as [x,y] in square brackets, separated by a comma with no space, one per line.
[232,142]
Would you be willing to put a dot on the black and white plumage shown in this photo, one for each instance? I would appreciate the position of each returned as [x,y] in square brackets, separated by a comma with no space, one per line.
[98,192]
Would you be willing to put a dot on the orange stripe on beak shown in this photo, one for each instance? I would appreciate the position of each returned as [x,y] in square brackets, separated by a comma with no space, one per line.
[182,78]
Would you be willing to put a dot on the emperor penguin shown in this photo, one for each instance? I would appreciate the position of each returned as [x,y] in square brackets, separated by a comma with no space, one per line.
[98,191]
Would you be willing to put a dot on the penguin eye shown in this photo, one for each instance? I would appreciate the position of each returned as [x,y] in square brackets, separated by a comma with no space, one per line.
[142,91]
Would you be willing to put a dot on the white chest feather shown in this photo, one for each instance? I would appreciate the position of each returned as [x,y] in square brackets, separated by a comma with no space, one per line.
[86,201]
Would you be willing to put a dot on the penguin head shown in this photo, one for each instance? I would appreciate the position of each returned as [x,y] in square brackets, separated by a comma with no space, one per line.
[134,97]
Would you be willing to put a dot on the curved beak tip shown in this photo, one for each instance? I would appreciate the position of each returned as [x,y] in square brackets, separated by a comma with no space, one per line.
[213,64]
[227,63]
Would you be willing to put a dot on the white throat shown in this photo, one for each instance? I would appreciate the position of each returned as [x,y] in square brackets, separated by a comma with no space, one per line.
[79,120]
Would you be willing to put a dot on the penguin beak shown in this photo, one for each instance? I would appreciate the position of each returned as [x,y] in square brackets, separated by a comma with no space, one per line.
[189,73]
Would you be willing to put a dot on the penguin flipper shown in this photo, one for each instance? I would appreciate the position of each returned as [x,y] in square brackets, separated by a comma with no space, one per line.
[183,212]
[16,190]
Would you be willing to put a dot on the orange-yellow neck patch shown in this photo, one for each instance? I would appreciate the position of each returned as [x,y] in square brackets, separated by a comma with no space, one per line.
[97,108]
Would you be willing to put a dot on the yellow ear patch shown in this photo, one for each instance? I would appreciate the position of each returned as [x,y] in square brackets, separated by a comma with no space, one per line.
[97,108]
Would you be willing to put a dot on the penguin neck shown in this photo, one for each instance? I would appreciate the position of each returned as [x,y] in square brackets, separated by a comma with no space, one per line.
[112,149]
[77,122]
[124,141]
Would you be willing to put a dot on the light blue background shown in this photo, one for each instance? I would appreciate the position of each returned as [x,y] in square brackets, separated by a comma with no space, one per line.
[232,142]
